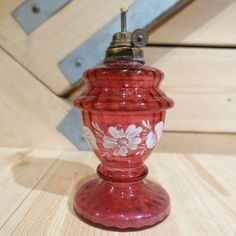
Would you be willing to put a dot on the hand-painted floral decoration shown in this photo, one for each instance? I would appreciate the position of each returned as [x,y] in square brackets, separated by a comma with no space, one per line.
[119,141]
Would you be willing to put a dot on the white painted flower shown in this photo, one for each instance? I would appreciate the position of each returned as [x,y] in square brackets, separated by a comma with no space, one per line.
[151,139]
[154,137]
[159,129]
[121,141]
[90,137]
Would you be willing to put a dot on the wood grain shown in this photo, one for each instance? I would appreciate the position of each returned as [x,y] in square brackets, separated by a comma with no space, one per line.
[29,112]
[7,7]
[201,82]
[202,22]
[41,51]
[201,187]
[200,143]
[24,165]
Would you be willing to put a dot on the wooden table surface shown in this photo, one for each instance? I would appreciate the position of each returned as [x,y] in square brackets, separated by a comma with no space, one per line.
[37,187]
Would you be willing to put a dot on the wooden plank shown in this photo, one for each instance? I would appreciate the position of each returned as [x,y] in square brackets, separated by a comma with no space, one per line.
[202,84]
[205,210]
[215,176]
[197,143]
[29,112]
[17,165]
[201,22]
[41,51]
[7,7]
[54,193]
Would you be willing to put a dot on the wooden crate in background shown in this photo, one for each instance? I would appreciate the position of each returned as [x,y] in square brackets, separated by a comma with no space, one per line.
[194,48]
[41,50]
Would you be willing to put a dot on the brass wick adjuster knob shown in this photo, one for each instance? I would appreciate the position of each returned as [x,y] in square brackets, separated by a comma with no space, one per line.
[139,38]
[126,45]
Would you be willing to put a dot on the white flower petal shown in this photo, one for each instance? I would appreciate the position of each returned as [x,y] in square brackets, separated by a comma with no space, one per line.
[108,142]
[87,131]
[123,151]
[108,145]
[116,151]
[108,139]
[159,129]
[144,123]
[151,139]
[132,146]
[132,131]
[135,140]
[90,137]
[121,133]
[113,132]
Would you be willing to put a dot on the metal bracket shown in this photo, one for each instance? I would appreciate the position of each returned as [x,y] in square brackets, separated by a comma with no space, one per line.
[32,13]
[72,128]
[141,15]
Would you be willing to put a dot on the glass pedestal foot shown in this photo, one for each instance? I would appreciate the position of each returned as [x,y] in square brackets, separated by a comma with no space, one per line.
[122,205]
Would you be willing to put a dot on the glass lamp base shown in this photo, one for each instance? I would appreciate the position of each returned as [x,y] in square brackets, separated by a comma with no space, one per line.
[122,205]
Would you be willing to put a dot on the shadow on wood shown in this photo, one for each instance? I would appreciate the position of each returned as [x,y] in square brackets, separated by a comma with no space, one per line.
[61,177]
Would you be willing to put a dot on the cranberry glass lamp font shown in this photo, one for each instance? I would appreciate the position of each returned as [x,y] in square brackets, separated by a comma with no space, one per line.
[123,114]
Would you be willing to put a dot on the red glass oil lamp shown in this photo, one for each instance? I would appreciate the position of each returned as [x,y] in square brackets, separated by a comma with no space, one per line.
[123,114]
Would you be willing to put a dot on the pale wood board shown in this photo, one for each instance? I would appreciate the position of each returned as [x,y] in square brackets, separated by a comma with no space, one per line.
[210,22]
[202,83]
[201,186]
[7,7]
[41,51]
[28,169]
[30,113]
[211,143]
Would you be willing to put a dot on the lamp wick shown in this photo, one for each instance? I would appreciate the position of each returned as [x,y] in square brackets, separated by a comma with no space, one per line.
[123,19]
